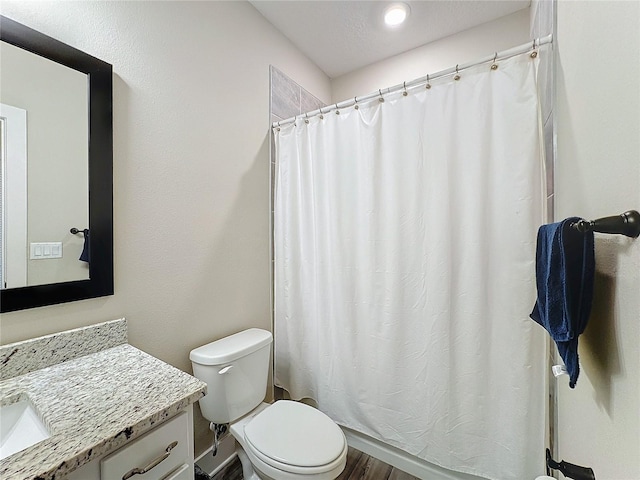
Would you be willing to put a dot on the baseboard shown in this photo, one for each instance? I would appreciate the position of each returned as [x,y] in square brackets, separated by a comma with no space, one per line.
[401,459]
[226,454]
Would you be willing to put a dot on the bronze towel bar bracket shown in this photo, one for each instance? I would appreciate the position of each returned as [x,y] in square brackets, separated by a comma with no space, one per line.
[627,223]
[569,470]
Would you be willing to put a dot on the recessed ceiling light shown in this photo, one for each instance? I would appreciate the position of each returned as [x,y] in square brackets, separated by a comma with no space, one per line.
[396,14]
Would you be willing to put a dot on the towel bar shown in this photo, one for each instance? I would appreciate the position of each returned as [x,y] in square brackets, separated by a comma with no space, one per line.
[569,470]
[627,223]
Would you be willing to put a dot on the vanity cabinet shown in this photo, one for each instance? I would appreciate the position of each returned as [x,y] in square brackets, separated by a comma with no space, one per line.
[163,453]
[123,409]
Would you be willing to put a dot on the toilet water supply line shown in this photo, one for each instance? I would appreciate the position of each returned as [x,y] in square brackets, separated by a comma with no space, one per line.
[219,430]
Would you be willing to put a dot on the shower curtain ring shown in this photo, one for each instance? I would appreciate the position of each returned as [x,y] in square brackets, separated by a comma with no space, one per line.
[457,76]
[306,118]
[494,66]
[278,129]
[321,115]
[428,85]
[381,99]
[355,99]
[337,110]
[534,54]
[404,86]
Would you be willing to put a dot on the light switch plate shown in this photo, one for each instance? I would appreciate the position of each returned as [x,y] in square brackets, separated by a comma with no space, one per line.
[44,250]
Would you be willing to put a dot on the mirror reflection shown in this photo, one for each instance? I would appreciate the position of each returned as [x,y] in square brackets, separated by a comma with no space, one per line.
[44,193]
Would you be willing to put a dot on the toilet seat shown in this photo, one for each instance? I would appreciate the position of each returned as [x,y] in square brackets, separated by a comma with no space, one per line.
[295,438]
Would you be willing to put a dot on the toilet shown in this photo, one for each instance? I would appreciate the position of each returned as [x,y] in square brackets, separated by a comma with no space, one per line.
[285,440]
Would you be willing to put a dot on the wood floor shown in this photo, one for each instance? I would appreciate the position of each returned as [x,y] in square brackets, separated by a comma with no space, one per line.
[363,467]
[233,471]
[359,467]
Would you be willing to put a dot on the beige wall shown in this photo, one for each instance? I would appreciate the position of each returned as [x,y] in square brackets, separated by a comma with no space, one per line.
[191,168]
[466,46]
[55,98]
[191,182]
[598,174]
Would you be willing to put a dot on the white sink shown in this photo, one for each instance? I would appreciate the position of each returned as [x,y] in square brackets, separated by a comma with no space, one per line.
[20,427]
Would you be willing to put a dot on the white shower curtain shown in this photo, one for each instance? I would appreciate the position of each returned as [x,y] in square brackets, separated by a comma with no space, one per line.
[404,270]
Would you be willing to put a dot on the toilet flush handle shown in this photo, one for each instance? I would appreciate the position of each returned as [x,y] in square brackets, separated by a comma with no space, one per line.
[224,370]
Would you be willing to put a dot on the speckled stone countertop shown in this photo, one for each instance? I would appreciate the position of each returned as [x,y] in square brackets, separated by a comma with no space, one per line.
[36,353]
[92,405]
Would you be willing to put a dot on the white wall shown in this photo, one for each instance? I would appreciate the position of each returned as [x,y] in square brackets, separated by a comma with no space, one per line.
[191,168]
[598,174]
[463,47]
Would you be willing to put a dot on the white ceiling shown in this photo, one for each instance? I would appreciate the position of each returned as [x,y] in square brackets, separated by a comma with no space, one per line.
[341,36]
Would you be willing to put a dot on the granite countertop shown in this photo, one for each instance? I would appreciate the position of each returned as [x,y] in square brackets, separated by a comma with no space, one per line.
[94,404]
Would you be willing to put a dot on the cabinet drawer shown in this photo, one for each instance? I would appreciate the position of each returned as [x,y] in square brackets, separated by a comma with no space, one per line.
[152,452]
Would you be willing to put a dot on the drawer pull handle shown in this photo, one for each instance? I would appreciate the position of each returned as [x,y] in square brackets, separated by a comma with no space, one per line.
[155,463]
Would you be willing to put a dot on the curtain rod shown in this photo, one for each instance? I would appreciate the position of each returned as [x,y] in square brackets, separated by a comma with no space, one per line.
[512,52]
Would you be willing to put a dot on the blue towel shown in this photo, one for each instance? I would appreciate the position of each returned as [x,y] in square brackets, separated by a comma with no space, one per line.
[85,256]
[565,268]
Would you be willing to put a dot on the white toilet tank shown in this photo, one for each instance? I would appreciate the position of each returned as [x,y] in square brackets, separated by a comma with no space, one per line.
[235,369]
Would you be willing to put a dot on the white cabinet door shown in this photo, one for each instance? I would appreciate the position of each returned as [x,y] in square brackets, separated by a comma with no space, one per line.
[182,473]
[153,456]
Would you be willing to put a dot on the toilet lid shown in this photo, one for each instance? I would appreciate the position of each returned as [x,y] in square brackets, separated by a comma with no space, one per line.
[295,434]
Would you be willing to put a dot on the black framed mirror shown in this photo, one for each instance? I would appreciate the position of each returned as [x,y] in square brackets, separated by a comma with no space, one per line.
[100,173]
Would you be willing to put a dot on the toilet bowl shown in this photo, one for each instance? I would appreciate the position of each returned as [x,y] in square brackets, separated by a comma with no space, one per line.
[285,440]
[289,441]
